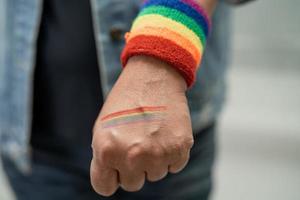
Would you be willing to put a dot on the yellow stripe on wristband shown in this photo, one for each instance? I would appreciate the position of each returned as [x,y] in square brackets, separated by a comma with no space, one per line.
[159,21]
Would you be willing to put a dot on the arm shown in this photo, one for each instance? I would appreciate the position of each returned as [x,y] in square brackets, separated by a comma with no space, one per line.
[144,128]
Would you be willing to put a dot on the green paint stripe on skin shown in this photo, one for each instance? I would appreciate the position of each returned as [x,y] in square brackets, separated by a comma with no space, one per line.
[128,119]
[134,122]
[176,16]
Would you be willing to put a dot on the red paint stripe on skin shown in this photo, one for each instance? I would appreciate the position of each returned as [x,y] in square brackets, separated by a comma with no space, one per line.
[165,50]
[134,110]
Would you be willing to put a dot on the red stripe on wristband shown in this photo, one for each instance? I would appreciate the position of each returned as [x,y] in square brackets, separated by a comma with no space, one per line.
[165,50]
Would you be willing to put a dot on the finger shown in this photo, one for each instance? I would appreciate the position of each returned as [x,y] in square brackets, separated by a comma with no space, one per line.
[156,173]
[104,180]
[179,164]
[131,181]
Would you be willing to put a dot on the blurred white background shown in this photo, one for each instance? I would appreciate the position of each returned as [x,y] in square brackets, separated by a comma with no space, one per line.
[259,134]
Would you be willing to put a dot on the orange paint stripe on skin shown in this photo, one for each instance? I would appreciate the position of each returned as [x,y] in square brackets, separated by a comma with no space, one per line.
[134,110]
[170,35]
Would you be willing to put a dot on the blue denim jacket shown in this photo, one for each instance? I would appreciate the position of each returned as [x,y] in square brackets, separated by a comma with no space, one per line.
[111,18]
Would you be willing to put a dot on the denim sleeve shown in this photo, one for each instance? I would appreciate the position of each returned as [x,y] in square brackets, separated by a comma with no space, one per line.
[2,35]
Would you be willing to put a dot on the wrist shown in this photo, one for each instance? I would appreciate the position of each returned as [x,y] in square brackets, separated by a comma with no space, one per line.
[145,72]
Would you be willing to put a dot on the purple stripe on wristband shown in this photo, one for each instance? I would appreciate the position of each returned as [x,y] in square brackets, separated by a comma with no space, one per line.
[199,9]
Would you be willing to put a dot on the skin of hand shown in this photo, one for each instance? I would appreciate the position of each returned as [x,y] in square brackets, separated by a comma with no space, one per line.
[129,154]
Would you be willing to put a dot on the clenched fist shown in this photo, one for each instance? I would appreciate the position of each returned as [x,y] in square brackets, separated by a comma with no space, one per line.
[144,128]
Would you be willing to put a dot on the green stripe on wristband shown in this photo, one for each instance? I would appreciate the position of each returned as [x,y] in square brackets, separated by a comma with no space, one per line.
[176,16]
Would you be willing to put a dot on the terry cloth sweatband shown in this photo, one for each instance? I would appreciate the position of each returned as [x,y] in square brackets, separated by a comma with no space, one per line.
[174,31]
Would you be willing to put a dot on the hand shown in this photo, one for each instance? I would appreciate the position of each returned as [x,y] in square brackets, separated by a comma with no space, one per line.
[144,128]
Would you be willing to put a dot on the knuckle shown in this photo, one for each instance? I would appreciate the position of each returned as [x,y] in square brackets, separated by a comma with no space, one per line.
[135,153]
[131,187]
[177,168]
[104,191]
[183,144]
[106,150]
[178,165]
[189,142]
[157,152]
[156,176]
[174,170]
[178,146]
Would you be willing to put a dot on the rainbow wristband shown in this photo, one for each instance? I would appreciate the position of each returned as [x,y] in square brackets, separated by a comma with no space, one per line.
[174,31]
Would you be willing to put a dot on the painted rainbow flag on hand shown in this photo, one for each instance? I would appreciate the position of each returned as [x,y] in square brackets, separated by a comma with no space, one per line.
[133,116]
